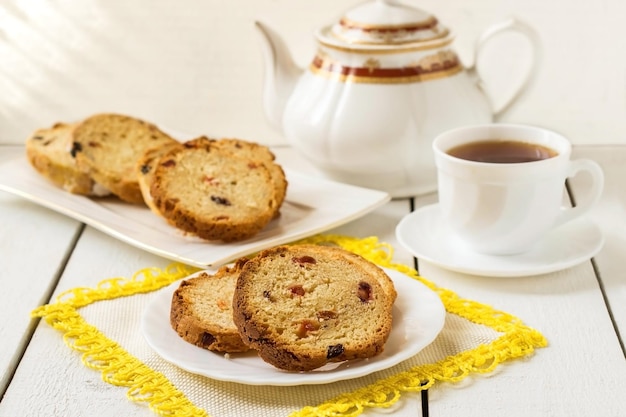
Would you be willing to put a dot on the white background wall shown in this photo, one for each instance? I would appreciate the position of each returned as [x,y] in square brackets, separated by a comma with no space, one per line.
[195,65]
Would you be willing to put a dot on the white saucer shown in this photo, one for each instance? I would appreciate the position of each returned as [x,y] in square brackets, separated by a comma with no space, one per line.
[425,236]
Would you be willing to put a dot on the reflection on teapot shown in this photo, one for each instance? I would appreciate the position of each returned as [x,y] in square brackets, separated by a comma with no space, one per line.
[383,83]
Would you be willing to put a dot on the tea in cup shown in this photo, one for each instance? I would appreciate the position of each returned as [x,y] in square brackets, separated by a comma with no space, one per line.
[501,186]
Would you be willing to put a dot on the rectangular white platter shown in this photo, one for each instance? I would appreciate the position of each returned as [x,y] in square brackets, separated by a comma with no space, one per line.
[312,205]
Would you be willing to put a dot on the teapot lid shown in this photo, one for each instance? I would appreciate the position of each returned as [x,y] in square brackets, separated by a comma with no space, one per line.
[385,23]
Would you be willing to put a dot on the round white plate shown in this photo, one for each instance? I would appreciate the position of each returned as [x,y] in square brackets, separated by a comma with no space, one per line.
[418,317]
[424,234]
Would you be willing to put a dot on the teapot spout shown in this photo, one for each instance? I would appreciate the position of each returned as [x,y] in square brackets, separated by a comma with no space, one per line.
[281,74]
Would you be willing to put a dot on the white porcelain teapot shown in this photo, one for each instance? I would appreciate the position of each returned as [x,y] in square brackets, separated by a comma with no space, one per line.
[383,83]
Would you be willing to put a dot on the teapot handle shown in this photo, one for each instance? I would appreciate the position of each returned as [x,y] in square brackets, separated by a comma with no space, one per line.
[511,24]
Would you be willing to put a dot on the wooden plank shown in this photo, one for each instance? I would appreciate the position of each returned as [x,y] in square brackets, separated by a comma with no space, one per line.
[609,214]
[568,309]
[34,243]
[51,380]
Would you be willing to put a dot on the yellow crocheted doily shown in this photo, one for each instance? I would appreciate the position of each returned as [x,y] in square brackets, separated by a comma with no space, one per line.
[146,385]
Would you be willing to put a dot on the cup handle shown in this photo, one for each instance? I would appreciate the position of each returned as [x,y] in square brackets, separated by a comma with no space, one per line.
[533,38]
[597,185]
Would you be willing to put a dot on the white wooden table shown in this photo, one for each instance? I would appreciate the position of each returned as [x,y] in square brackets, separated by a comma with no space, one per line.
[581,311]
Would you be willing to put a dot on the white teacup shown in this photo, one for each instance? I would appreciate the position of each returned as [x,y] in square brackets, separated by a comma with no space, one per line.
[503,208]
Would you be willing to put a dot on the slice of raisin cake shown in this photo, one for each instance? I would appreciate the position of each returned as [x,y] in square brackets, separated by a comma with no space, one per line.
[107,146]
[202,313]
[213,193]
[49,152]
[304,306]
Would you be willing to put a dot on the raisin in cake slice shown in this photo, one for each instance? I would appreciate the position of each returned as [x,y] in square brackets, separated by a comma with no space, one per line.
[213,193]
[202,314]
[107,146]
[304,306]
[48,151]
